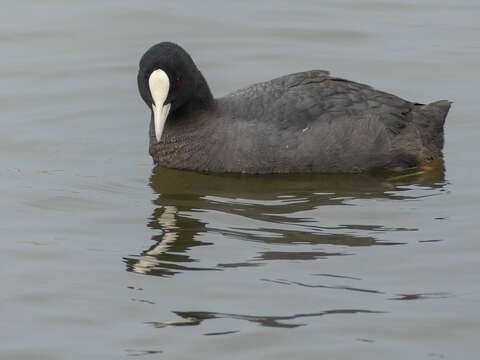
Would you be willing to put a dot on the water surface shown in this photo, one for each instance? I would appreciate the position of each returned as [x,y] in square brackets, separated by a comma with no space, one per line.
[106,257]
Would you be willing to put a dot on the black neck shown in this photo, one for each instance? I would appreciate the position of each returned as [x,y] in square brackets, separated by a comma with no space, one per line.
[201,100]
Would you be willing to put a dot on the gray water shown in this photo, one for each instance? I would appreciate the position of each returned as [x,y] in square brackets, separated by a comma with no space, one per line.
[104,257]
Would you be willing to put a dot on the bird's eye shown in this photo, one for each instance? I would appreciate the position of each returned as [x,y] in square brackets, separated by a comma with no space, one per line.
[177,81]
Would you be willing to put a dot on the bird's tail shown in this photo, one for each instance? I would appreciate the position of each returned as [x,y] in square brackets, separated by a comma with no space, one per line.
[430,120]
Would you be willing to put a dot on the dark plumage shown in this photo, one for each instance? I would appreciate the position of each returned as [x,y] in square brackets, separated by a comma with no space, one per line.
[303,122]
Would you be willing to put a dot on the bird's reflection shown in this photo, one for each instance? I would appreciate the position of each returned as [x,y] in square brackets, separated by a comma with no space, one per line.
[270,200]
[169,253]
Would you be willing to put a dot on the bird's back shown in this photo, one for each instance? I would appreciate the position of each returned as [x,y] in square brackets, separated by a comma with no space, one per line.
[311,121]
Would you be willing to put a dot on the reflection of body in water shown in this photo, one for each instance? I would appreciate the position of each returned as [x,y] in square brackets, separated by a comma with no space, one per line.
[272,200]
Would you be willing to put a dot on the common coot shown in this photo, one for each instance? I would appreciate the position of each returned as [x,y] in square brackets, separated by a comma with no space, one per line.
[304,122]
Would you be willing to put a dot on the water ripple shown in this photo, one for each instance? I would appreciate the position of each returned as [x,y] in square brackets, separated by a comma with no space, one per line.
[193,318]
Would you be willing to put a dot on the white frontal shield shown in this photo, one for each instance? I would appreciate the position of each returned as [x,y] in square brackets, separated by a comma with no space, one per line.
[159,85]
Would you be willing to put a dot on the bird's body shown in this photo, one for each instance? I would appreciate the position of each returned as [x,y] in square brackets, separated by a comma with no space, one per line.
[303,122]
